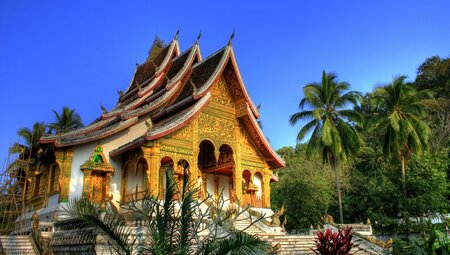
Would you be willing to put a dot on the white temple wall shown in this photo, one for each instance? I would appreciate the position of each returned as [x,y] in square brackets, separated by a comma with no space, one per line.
[83,152]
[224,186]
[258,182]
[210,184]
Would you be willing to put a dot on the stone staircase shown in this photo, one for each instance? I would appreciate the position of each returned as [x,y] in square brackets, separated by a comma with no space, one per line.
[16,245]
[242,224]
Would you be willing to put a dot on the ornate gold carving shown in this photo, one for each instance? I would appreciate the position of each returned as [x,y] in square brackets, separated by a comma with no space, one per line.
[174,149]
[217,129]
[247,146]
[235,87]
[97,175]
[241,108]
[253,164]
[184,133]
[220,93]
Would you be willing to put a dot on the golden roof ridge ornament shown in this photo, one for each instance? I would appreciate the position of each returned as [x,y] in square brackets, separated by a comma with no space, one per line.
[231,38]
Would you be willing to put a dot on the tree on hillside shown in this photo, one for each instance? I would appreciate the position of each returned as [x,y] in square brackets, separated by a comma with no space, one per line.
[313,189]
[400,122]
[434,74]
[332,134]
[67,120]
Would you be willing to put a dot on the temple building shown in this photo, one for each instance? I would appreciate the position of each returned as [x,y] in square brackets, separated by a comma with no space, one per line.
[180,111]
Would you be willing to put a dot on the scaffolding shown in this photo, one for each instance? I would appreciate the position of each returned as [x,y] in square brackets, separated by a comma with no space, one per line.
[13,191]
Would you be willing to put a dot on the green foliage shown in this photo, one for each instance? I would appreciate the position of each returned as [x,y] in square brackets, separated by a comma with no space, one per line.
[30,137]
[376,189]
[332,134]
[67,120]
[434,74]
[310,181]
[400,118]
[434,242]
[427,183]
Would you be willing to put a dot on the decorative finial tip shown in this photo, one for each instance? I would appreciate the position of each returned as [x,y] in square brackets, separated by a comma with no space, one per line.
[176,34]
[198,37]
[231,38]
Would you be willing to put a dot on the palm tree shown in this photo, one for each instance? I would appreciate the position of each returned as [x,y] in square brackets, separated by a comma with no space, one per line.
[399,118]
[66,121]
[173,226]
[30,137]
[332,134]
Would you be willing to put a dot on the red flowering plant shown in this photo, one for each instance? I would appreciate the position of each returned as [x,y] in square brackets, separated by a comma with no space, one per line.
[332,243]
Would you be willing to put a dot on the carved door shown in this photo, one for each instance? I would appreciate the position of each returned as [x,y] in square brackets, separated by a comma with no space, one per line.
[98,187]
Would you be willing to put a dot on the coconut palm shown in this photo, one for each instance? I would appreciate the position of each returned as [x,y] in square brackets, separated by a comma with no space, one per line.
[30,137]
[333,134]
[66,121]
[399,119]
[173,226]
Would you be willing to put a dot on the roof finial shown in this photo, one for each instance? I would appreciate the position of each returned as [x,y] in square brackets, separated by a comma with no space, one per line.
[103,108]
[139,86]
[149,123]
[231,38]
[198,37]
[176,34]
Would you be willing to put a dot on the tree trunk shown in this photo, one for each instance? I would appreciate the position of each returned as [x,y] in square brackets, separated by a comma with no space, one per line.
[338,187]
[405,195]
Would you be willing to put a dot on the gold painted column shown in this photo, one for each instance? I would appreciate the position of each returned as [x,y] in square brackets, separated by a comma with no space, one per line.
[266,187]
[151,154]
[107,184]
[87,183]
[64,159]
[237,169]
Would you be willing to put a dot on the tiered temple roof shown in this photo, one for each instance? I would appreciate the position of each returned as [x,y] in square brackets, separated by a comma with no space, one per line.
[170,90]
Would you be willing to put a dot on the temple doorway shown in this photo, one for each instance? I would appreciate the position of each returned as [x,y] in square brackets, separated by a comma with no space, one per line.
[98,187]
[135,180]
[216,174]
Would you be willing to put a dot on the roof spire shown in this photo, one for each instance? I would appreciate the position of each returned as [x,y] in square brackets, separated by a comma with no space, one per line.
[176,35]
[231,38]
[157,46]
[198,37]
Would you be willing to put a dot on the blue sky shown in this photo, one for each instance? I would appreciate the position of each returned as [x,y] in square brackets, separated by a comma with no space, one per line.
[74,53]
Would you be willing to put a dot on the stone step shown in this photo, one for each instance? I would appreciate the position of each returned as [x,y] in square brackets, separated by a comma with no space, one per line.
[17,245]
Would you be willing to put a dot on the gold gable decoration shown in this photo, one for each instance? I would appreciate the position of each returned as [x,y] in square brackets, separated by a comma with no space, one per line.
[97,177]
[97,162]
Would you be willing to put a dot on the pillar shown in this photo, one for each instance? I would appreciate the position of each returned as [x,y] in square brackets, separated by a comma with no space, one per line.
[151,153]
[266,188]
[87,183]
[64,158]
